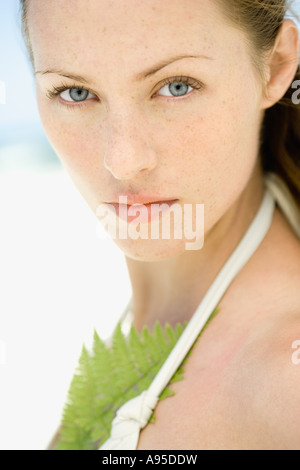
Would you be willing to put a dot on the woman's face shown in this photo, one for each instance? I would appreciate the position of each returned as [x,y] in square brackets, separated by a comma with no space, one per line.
[132,132]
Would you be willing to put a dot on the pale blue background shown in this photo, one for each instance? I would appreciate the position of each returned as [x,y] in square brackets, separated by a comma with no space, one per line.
[19,121]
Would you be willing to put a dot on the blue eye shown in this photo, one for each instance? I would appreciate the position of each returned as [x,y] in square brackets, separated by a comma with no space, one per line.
[177,89]
[76,95]
[73,94]
[179,86]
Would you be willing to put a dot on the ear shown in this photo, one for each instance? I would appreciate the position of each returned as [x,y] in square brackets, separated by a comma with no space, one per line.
[282,64]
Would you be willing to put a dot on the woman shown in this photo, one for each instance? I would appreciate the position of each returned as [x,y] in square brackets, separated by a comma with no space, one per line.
[191,102]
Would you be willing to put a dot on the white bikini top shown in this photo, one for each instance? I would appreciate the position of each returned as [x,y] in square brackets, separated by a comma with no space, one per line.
[135,413]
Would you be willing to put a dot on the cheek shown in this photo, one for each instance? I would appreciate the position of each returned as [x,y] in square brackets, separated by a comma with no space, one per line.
[217,151]
[75,145]
[214,143]
[68,135]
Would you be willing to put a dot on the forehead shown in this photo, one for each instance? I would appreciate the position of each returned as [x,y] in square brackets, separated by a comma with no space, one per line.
[93,33]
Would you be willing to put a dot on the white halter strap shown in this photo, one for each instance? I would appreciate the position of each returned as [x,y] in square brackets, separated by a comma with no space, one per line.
[284,199]
[135,414]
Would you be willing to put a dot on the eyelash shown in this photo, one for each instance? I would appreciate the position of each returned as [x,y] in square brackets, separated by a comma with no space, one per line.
[53,93]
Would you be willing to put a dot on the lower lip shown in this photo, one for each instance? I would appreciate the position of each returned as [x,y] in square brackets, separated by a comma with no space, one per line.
[141,215]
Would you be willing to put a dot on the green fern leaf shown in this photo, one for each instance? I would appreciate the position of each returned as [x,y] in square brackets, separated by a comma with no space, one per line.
[109,376]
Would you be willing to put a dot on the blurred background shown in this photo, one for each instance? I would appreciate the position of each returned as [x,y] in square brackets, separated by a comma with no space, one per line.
[58,279]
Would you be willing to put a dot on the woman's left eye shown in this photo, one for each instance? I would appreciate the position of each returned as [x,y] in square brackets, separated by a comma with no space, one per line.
[179,86]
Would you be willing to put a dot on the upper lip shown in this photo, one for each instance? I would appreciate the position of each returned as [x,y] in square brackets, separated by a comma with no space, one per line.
[142,198]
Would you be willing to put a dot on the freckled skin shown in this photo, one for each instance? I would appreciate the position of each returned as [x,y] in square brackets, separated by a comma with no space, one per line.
[131,141]
[202,148]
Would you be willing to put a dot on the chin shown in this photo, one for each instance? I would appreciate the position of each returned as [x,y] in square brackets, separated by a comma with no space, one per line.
[151,250]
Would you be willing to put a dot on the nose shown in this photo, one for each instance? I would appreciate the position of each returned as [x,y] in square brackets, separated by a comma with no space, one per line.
[128,152]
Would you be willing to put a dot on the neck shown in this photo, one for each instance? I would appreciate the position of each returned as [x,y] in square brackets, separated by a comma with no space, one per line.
[170,290]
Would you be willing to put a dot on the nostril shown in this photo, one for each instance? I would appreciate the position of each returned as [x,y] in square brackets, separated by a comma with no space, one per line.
[129,166]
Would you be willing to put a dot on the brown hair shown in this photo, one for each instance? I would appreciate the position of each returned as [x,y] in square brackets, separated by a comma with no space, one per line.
[261,21]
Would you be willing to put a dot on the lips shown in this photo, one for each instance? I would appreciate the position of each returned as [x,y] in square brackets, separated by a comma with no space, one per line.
[142,213]
[140,199]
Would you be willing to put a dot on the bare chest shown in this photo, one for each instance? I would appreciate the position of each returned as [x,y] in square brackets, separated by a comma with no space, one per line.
[237,380]
[220,401]
[204,413]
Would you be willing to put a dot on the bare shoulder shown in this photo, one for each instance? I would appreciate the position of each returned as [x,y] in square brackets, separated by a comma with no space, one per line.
[261,318]
[275,385]
[277,345]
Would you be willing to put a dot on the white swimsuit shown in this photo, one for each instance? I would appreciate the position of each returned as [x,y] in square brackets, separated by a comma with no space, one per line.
[134,414]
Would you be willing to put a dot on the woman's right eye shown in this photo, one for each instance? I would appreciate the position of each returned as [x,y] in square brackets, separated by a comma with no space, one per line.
[76,95]
[71,95]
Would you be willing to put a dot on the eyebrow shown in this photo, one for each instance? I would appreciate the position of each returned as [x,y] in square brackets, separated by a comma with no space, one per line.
[141,76]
